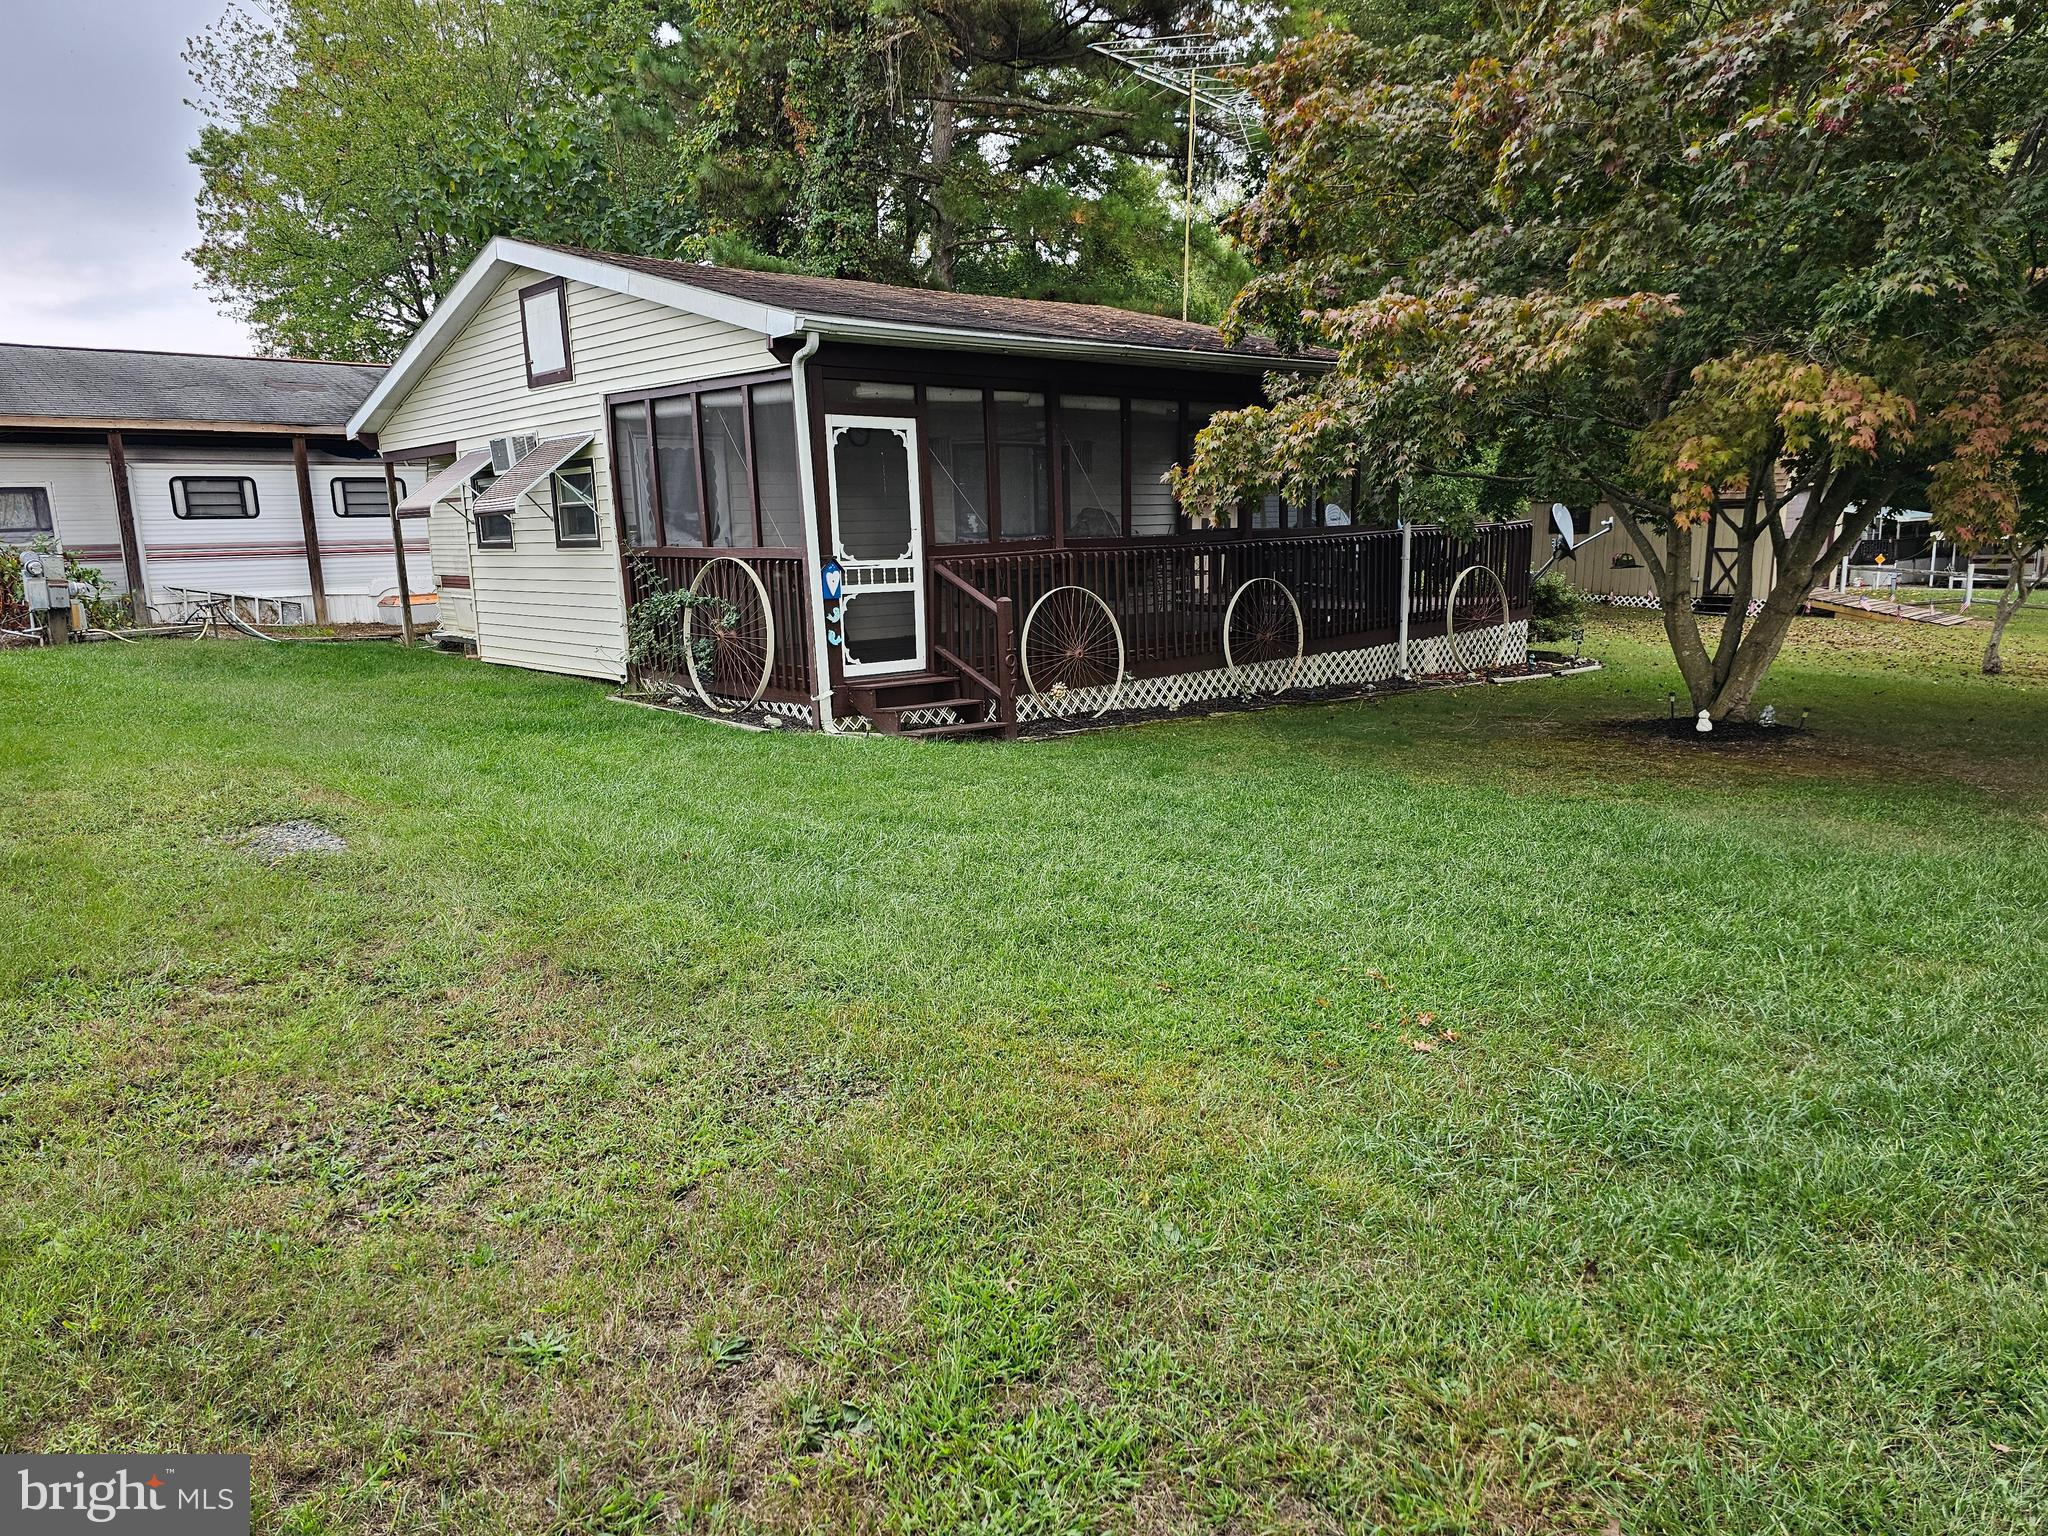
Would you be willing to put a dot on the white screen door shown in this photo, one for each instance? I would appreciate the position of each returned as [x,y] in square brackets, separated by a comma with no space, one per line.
[878,538]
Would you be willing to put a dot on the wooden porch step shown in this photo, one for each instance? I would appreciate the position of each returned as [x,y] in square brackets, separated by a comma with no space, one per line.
[958,728]
[894,713]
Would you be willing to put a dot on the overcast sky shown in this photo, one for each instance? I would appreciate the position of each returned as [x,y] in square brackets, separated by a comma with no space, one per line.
[95,190]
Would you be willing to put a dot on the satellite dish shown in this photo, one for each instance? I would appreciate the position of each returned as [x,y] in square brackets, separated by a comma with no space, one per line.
[1561,520]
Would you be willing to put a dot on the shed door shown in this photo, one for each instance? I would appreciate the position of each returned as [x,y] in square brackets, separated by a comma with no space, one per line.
[878,538]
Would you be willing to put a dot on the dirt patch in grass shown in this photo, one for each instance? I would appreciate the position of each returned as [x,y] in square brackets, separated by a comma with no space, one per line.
[277,841]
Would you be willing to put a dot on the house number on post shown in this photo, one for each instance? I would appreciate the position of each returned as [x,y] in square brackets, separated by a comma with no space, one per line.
[832,579]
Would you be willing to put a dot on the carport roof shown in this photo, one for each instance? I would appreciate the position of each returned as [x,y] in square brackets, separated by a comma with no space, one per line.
[96,387]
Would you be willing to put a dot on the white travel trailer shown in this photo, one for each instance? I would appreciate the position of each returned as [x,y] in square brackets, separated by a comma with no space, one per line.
[183,476]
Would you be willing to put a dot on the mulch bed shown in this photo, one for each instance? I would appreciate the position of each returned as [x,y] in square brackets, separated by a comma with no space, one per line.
[1727,735]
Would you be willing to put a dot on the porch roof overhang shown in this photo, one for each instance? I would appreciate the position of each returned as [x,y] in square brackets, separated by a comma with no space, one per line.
[1011,343]
[440,487]
[668,284]
[532,467]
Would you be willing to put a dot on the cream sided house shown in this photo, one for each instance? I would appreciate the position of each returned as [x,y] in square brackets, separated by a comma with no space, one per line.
[184,476]
[864,506]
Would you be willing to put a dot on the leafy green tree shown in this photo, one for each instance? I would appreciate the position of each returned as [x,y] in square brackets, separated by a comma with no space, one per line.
[973,144]
[1683,258]
[357,154]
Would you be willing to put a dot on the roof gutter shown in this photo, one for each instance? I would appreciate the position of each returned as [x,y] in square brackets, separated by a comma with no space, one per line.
[893,333]
[171,424]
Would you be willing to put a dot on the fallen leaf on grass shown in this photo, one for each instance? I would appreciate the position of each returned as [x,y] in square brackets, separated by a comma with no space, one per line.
[1421,1045]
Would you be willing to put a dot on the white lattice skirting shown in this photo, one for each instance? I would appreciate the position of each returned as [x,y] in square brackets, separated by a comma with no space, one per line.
[1481,650]
[1643,600]
[1495,648]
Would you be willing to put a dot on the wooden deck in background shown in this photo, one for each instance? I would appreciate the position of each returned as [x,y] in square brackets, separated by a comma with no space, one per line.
[1857,605]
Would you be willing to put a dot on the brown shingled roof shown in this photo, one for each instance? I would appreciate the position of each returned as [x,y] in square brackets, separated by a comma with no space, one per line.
[847,298]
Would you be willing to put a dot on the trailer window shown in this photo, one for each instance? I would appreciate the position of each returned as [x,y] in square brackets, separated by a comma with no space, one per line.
[211,496]
[24,512]
[364,496]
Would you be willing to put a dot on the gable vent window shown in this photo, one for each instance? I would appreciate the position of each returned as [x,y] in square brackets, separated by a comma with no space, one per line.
[207,496]
[24,512]
[544,319]
[362,496]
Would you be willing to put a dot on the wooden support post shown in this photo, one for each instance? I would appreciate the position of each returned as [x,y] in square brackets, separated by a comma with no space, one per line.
[131,542]
[398,553]
[312,530]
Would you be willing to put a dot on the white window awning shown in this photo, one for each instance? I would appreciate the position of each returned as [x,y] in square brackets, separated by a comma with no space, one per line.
[546,456]
[440,487]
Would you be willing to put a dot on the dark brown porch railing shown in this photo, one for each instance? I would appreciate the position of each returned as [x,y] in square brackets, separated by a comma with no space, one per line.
[976,635]
[1170,597]
[789,601]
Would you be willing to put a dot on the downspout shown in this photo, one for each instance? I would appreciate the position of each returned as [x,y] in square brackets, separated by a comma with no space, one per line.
[814,558]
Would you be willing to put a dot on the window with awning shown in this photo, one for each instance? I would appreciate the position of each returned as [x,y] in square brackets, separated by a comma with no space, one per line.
[450,480]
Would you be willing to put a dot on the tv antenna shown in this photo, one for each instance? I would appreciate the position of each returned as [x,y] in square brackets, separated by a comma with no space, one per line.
[1196,65]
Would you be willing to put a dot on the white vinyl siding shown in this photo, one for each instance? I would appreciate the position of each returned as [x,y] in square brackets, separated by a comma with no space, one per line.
[537,605]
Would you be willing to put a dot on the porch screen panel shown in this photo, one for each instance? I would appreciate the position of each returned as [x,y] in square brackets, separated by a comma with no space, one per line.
[675,453]
[1024,468]
[1155,445]
[1092,463]
[956,437]
[782,512]
[636,475]
[729,513]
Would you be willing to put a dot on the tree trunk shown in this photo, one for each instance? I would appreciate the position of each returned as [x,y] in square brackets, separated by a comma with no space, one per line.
[2010,601]
[945,133]
[1725,686]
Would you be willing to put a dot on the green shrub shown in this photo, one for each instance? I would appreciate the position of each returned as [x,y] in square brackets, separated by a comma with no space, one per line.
[1556,610]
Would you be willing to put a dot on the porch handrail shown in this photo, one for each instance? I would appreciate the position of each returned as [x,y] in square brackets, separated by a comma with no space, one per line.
[1002,613]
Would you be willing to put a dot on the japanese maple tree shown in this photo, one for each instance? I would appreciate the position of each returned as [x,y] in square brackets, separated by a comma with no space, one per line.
[1680,259]
[1991,490]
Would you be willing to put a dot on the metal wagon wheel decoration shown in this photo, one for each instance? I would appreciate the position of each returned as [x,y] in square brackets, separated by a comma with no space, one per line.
[1263,636]
[1483,609]
[1073,649]
[728,635]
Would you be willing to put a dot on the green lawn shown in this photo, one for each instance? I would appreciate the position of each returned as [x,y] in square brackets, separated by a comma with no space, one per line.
[650,1124]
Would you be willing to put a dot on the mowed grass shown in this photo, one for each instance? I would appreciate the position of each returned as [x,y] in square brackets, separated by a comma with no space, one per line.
[1446,1113]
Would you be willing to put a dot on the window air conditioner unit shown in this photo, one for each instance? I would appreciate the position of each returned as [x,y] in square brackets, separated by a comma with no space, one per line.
[507,451]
